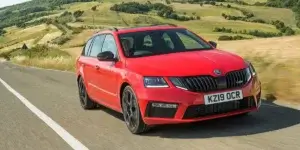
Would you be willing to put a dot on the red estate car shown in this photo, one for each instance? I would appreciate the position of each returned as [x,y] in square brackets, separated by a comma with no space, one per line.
[164,74]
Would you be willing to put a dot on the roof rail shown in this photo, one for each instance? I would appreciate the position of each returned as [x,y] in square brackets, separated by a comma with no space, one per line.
[105,29]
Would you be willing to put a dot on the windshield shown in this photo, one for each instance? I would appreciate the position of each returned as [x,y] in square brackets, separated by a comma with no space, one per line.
[156,42]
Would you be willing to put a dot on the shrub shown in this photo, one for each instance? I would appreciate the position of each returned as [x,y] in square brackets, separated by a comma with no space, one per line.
[138,8]
[229,38]
[61,40]
[78,13]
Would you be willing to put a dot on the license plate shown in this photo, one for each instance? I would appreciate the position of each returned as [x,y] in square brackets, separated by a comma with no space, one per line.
[223,97]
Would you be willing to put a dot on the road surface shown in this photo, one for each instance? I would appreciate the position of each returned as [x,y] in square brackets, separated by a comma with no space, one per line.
[55,120]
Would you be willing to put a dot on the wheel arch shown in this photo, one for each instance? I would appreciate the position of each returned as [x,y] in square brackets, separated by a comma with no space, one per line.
[78,77]
[123,85]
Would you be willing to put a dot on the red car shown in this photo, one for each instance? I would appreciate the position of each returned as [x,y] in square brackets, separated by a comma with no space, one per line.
[164,74]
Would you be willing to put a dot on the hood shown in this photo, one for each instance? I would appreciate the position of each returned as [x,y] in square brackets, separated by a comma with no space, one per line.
[193,63]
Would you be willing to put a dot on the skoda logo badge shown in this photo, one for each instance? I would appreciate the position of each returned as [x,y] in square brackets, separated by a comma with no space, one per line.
[217,72]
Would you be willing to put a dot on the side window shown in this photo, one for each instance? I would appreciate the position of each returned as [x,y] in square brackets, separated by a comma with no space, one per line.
[97,45]
[86,48]
[168,40]
[189,43]
[110,45]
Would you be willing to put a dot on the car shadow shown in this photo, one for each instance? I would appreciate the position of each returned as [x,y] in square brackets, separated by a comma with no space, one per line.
[270,117]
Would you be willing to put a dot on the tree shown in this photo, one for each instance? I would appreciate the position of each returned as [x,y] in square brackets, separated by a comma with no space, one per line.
[24,47]
[94,8]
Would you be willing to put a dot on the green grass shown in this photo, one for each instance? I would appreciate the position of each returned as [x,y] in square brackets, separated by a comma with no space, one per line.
[254,1]
[210,18]
[270,13]
[3,39]
[205,10]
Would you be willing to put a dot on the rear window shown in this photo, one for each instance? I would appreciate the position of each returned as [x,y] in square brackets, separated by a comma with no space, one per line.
[157,42]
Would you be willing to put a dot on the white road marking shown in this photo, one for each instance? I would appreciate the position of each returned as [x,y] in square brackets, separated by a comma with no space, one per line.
[67,137]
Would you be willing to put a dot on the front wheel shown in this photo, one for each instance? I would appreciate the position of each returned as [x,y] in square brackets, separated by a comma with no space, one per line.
[131,112]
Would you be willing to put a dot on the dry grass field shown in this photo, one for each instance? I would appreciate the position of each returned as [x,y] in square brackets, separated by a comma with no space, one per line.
[277,62]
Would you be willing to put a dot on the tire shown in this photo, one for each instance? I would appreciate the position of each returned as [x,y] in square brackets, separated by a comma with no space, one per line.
[85,101]
[131,112]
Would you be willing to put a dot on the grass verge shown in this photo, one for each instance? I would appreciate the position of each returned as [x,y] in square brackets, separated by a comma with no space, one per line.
[58,63]
[43,57]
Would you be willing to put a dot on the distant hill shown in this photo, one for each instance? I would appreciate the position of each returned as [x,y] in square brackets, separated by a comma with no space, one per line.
[65,25]
[212,19]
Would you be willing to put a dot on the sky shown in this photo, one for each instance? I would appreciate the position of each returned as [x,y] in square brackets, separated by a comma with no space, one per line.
[4,3]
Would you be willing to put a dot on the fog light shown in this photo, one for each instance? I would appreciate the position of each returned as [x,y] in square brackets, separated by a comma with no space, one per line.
[164,105]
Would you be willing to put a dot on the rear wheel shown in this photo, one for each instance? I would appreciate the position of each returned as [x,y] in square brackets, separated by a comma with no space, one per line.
[85,101]
[131,112]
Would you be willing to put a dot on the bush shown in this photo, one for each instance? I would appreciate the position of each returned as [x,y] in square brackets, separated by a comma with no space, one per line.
[39,51]
[138,8]
[229,38]
[2,32]
[61,40]
[78,13]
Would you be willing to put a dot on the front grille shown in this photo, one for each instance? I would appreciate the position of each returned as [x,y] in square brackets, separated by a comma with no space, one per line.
[196,111]
[160,112]
[207,83]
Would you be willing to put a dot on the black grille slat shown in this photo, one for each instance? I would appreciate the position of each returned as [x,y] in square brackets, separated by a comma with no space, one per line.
[233,79]
[198,84]
[202,83]
[196,111]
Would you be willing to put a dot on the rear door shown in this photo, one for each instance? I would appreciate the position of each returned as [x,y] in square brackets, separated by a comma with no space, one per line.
[82,62]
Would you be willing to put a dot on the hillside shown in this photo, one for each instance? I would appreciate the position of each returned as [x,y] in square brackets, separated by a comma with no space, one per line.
[67,24]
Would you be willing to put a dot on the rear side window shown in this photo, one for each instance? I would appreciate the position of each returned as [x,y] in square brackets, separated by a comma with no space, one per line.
[86,48]
[97,45]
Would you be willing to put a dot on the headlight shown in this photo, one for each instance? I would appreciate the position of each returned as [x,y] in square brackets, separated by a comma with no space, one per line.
[250,71]
[248,74]
[155,82]
[253,72]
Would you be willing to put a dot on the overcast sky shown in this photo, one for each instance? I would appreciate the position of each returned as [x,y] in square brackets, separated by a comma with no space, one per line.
[10,2]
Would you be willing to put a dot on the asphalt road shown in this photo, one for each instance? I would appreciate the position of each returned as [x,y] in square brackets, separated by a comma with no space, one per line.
[54,94]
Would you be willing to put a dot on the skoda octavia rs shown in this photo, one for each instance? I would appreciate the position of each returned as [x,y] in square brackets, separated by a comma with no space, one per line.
[164,74]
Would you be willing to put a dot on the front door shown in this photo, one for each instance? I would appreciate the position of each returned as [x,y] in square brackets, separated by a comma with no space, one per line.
[93,69]
[107,75]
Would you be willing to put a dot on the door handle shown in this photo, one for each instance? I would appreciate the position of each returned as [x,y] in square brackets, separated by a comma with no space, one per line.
[97,67]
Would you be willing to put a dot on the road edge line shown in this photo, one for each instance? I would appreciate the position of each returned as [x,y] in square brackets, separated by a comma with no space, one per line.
[38,68]
[67,137]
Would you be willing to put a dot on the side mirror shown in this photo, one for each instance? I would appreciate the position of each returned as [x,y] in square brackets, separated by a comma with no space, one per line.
[106,56]
[214,44]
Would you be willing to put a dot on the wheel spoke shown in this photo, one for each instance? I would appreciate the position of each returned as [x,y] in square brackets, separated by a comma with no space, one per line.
[130,109]
[128,100]
[132,121]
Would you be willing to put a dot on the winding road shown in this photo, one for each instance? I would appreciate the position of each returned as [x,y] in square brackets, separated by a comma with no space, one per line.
[39,109]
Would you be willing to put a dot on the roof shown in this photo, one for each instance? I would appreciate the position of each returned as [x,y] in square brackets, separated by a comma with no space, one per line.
[141,28]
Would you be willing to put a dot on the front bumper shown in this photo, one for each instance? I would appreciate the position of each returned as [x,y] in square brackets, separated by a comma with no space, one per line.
[191,107]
